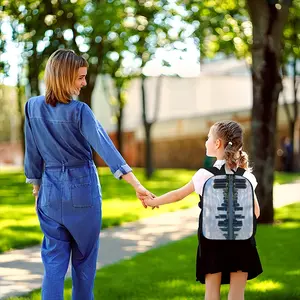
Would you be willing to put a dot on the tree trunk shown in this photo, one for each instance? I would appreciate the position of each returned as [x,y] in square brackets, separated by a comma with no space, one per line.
[93,72]
[120,120]
[22,118]
[33,74]
[297,146]
[147,127]
[149,164]
[268,23]
[294,157]
[86,93]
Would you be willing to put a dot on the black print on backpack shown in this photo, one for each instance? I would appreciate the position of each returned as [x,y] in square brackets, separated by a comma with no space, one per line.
[228,206]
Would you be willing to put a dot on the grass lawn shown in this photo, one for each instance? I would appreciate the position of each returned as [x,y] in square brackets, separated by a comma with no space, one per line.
[19,225]
[282,177]
[169,272]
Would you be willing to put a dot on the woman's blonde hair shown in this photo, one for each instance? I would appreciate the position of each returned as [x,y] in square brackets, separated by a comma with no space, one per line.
[60,75]
[231,133]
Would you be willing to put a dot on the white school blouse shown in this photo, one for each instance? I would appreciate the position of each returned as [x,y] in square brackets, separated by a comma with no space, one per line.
[202,175]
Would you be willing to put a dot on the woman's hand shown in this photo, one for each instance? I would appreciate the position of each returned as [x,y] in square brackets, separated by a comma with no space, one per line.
[142,193]
[35,193]
[36,207]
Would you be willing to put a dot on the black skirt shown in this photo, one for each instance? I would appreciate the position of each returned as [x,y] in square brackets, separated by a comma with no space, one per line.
[226,257]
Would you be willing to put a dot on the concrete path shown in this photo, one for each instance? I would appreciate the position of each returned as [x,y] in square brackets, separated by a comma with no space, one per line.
[21,270]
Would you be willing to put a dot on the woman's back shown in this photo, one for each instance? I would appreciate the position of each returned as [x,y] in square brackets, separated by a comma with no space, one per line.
[57,131]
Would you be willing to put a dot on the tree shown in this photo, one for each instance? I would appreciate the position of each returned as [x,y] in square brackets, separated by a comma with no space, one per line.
[224,26]
[290,59]
[93,29]
[144,31]
[118,102]
[151,28]
[116,66]
[268,27]
[85,26]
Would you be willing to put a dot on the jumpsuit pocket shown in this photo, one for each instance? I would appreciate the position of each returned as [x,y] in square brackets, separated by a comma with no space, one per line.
[44,195]
[81,195]
[50,195]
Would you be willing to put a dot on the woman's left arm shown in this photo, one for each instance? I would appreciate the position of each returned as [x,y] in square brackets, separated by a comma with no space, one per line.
[33,162]
[98,138]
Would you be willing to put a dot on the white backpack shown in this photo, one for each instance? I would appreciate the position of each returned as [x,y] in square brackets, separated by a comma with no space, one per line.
[228,206]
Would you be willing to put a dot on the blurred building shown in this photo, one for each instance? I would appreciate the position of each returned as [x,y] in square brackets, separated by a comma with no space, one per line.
[10,146]
[187,109]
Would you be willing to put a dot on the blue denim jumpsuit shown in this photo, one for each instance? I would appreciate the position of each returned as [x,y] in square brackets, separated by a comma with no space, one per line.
[58,157]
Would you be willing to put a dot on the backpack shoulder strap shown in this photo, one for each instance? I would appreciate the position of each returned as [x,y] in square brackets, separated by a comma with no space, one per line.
[216,171]
[240,171]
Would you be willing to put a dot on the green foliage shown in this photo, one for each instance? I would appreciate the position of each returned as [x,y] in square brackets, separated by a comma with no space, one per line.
[98,30]
[292,32]
[225,27]
[168,272]
[221,26]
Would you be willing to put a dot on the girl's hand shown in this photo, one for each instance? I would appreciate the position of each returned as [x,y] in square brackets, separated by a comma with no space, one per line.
[150,202]
[143,193]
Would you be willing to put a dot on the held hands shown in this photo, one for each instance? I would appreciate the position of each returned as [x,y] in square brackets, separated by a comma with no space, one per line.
[149,201]
[143,194]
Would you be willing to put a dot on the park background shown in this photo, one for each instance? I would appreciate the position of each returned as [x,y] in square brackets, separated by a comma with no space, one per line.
[160,74]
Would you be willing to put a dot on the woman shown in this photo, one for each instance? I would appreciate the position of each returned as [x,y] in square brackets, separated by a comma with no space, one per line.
[59,134]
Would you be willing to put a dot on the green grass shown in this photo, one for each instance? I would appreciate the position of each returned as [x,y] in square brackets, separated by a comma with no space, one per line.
[168,272]
[17,214]
[282,177]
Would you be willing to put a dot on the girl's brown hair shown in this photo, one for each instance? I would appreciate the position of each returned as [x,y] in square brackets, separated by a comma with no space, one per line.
[60,75]
[231,134]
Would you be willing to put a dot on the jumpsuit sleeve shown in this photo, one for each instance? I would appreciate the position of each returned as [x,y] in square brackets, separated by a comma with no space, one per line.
[97,137]
[33,162]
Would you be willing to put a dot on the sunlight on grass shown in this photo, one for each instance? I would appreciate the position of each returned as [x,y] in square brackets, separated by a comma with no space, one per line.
[282,177]
[290,225]
[168,272]
[17,214]
[172,283]
[283,214]
[294,272]
[265,286]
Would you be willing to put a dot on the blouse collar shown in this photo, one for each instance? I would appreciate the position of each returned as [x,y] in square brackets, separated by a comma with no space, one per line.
[219,163]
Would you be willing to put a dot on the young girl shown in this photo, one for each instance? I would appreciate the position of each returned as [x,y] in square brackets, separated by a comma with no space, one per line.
[218,261]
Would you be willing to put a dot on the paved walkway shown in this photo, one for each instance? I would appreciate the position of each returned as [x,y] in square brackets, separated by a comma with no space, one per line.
[21,270]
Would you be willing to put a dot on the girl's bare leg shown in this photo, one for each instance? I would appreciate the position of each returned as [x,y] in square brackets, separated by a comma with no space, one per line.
[238,282]
[212,286]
